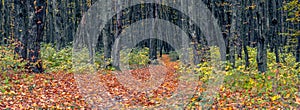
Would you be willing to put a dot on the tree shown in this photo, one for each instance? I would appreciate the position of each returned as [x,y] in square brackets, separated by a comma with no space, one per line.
[293,8]
[244,33]
[274,29]
[21,32]
[1,21]
[7,20]
[233,33]
[36,34]
[261,57]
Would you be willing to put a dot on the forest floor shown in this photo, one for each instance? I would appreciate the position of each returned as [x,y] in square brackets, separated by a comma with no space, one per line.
[62,90]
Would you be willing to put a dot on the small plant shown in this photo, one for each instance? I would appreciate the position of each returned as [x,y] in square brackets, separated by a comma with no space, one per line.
[135,58]
[56,60]
[173,56]
[2,89]
[10,60]
[283,79]
[6,81]
[65,60]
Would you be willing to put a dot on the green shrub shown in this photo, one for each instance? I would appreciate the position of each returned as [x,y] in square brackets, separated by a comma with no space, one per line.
[56,60]
[66,60]
[173,56]
[9,59]
[135,58]
[279,82]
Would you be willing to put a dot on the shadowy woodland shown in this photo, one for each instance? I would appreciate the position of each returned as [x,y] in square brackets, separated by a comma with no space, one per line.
[261,62]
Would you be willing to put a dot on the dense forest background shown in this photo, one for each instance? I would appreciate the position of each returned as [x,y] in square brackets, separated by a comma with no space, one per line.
[261,36]
[265,25]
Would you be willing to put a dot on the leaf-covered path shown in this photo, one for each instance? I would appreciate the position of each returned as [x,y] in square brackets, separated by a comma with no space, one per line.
[60,90]
[146,87]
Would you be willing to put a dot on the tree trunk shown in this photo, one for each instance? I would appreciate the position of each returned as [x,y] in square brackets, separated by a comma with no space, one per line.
[274,30]
[298,45]
[37,35]
[160,43]
[261,46]
[116,55]
[238,42]
[153,42]
[1,22]
[251,28]
[50,23]
[18,24]
[233,34]
[22,22]
[57,23]
[244,34]
[153,49]
[6,21]
[298,50]
[78,13]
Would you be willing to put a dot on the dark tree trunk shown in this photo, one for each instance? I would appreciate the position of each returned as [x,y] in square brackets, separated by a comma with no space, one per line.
[78,13]
[261,46]
[153,49]
[160,43]
[244,34]
[64,21]
[107,41]
[239,25]
[251,31]
[298,45]
[18,24]
[22,28]
[1,20]
[57,22]
[233,34]
[50,23]
[6,20]
[274,29]
[37,29]
[226,28]
[70,21]
[298,50]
